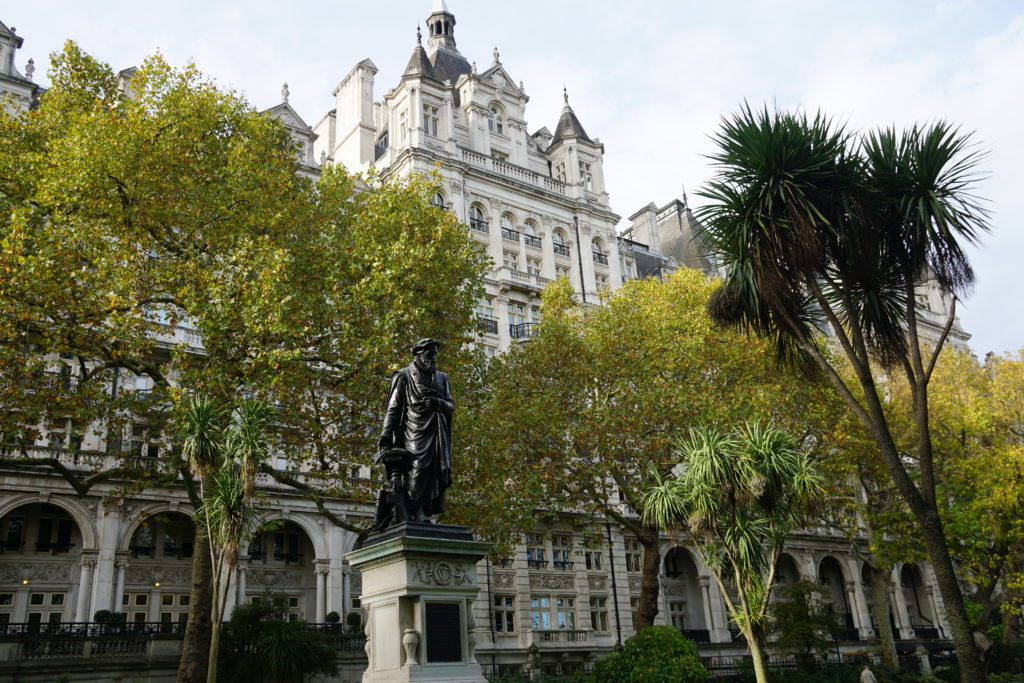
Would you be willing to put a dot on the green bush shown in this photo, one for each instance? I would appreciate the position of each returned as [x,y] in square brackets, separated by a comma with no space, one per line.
[260,646]
[655,655]
[332,617]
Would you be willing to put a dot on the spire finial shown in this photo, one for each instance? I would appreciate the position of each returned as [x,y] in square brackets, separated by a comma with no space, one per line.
[419,36]
[30,68]
[565,95]
[284,92]
[497,57]
[474,66]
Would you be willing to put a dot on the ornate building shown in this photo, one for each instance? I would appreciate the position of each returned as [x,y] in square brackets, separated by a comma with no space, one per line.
[537,204]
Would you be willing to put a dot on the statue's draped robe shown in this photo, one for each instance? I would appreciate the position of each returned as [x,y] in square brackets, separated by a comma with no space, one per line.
[423,431]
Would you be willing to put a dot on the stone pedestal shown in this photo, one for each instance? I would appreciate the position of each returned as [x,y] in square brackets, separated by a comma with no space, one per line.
[419,584]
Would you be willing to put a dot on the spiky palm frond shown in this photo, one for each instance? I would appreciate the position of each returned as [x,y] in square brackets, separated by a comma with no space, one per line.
[248,440]
[203,422]
[227,511]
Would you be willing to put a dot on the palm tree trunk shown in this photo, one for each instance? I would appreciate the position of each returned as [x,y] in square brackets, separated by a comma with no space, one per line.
[880,610]
[972,669]
[649,587]
[756,655]
[195,649]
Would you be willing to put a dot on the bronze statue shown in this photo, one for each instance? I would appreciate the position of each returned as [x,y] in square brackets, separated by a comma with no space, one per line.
[415,444]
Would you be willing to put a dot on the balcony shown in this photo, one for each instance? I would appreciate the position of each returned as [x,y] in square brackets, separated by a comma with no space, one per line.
[562,637]
[517,173]
[536,564]
[487,324]
[563,565]
[926,632]
[531,241]
[531,282]
[509,234]
[601,258]
[524,331]
[479,225]
[561,249]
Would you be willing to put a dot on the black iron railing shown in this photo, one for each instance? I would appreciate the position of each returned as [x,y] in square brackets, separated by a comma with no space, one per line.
[561,249]
[531,241]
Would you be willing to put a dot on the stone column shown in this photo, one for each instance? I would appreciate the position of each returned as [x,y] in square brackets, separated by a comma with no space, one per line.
[243,567]
[860,604]
[19,614]
[851,600]
[121,566]
[899,608]
[108,526]
[346,592]
[153,613]
[705,599]
[320,569]
[82,609]
[935,611]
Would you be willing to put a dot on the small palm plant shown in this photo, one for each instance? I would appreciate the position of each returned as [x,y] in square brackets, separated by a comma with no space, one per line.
[739,494]
[224,451]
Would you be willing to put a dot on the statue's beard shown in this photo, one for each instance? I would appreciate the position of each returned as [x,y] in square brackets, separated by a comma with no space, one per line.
[425,364]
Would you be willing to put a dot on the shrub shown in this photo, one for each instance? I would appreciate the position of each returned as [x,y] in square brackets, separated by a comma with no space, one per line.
[103,616]
[656,654]
[332,618]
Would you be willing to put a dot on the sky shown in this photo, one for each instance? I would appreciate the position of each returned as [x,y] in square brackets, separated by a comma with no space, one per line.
[651,78]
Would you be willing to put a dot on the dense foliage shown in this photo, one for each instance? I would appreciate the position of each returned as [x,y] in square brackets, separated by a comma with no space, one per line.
[655,655]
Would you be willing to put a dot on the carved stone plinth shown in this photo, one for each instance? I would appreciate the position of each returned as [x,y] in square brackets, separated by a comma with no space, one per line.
[419,584]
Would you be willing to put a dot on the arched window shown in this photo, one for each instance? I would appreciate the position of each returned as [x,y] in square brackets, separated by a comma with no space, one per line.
[599,254]
[530,235]
[558,239]
[496,119]
[438,200]
[508,227]
[477,221]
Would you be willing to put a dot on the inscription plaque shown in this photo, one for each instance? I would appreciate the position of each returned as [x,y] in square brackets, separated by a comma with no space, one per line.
[444,632]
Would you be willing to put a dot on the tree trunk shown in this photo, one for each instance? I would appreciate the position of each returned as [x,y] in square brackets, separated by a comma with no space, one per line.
[972,669]
[756,655]
[195,648]
[649,587]
[880,610]
[1011,640]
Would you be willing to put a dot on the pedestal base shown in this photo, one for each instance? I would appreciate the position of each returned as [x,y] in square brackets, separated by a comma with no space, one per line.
[419,584]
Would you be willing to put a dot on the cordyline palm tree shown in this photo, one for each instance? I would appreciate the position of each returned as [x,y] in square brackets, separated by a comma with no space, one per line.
[224,452]
[739,494]
[821,229]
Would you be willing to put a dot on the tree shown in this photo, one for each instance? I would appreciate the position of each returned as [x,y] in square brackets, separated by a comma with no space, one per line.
[158,230]
[224,454]
[976,413]
[574,419]
[802,624]
[819,228]
[739,494]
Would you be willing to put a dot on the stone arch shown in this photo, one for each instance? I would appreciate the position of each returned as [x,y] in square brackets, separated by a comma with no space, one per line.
[145,512]
[78,512]
[787,570]
[598,245]
[915,593]
[833,578]
[313,530]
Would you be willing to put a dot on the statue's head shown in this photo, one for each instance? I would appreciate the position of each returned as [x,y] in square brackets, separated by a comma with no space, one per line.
[425,354]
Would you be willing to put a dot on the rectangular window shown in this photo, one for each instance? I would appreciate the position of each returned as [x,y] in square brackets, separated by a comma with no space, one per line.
[560,172]
[516,314]
[536,557]
[586,177]
[504,613]
[632,555]
[677,614]
[511,260]
[562,271]
[593,559]
[561,552]
[533,266]
[36,599]
[599,614]
[430,120]
[565,613]
[540,612]
[402,126]
[601,281]
[634,611]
